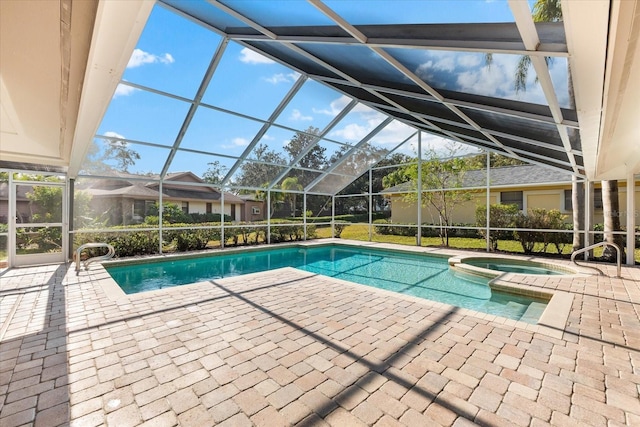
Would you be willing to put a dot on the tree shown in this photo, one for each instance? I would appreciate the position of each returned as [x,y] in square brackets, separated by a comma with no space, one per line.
[611,213]
[315,158]
[275,198]
[118,152]
[551,11]
[496,161]
[291,184]
[215,173]
[45,203]
[257,174]
[355,164]
[123,155]
[442,182]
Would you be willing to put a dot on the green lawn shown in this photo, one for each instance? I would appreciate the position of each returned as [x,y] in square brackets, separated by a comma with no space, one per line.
[361,232]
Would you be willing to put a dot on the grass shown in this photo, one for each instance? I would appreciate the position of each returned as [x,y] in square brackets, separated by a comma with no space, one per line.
[361,232]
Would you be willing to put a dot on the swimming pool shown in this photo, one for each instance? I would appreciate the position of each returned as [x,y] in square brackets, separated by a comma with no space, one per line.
[404,272]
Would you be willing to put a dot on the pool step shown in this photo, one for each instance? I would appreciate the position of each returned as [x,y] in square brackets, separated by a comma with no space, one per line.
[533,313]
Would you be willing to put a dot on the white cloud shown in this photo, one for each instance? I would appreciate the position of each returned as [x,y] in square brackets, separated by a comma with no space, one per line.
[282,78]
[236,142]
[240,142]
[114,135]
[277,78]
[469,61]
[297,115]
[248,56]
[352,132]
[140,57]
[124,90]
[334,107]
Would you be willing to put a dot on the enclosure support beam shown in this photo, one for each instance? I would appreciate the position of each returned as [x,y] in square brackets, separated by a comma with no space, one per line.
[304,213]
[370,204]
[70,203]
[631,218]
[333,216]
[268,217]
[487,237]
[222,239]
[160,213]
[419,213]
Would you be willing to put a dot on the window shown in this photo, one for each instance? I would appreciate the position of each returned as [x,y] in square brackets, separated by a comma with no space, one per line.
[141,208]
[185,207]
[208,208]
[255,210]
[512,198]
[597,199]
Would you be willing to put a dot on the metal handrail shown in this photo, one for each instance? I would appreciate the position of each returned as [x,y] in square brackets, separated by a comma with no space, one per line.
[107,256]
[595,245]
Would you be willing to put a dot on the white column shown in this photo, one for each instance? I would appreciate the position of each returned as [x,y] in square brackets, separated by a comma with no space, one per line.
[488,201]
[304,213]
[268,217]
[333,216]
[631,218]
[419,216]
[222,239]
[160,212]
[370,205]
[11,237]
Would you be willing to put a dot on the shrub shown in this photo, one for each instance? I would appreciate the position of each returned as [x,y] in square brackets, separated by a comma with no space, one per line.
[209,217]
[384,227]
[501,216]
[126,243]
[338,228]
[539,218]
[195,238]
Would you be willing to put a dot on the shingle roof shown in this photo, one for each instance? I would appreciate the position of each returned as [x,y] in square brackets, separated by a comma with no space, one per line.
[507,176]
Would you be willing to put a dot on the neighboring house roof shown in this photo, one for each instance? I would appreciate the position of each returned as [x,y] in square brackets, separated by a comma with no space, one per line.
[507,176]
[124,186]
[249,198]
[133,190]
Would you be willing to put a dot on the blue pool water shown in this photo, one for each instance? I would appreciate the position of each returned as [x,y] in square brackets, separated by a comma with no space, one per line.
[412,274]
[511,267]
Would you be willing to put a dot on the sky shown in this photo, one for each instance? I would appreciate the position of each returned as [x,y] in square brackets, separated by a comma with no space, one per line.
[173,53]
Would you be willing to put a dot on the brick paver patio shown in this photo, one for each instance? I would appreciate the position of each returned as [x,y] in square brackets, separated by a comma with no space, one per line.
[290,348]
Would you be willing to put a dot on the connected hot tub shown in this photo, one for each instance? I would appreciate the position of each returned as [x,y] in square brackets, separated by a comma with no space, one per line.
[497,265]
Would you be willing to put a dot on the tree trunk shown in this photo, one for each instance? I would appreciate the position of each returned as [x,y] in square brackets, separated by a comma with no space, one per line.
[611,212]
[577,204]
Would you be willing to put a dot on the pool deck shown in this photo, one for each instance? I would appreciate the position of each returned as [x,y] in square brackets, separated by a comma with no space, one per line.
[287,347]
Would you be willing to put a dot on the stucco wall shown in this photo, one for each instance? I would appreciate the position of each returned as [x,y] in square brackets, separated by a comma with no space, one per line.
[403,212]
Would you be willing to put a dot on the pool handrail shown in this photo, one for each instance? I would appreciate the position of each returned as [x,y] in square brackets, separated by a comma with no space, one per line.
[595,245]
[104,257]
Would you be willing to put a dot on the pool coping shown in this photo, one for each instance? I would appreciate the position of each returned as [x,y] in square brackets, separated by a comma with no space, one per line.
[552,322]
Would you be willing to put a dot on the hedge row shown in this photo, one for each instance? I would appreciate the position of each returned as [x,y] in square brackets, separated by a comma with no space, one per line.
[382,226]
[133,240]
[352,218]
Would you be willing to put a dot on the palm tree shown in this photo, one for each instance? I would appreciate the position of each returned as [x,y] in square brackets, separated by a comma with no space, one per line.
[551,11]
[291,184]
[611,214]
[275,198]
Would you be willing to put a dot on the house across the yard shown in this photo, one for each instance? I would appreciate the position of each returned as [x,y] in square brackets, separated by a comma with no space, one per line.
[128,198]
[528,186]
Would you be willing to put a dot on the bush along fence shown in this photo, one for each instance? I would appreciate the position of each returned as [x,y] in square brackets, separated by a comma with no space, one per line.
[182,237]
[506,223]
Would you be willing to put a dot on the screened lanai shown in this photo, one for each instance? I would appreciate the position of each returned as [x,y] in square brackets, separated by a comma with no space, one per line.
[246,95]
[225,127]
